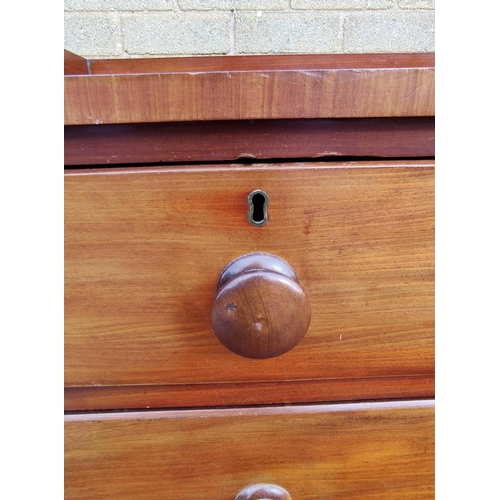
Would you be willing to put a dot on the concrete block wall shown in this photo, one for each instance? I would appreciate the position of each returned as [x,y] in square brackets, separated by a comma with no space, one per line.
[155,28]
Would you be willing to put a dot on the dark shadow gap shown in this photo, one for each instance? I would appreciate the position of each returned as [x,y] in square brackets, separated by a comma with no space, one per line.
[254,161]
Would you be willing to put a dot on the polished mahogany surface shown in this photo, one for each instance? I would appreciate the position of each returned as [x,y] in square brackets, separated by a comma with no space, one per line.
[145,248]
[364,451]
[242,88]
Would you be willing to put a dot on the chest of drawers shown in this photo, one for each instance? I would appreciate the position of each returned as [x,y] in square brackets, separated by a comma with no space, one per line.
[249,263]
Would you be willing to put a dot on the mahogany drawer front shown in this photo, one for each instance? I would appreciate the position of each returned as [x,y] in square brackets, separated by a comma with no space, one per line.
[145,247]
[354,451]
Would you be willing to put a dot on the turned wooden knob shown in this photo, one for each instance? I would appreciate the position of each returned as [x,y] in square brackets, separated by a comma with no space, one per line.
[260,311]
[263,492]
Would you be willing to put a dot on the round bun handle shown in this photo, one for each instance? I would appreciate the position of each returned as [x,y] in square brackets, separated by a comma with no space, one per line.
[260,310]
[263,492]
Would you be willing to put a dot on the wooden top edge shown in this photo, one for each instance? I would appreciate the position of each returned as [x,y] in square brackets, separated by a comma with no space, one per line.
[291,62]
[251,88]
[255,411]
[75,65]
[134,170]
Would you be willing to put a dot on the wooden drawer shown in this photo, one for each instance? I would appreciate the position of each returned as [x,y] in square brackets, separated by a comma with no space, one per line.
[351,451]
[145,247]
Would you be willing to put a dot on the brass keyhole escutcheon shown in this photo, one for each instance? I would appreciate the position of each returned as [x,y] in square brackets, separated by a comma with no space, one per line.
[258,202]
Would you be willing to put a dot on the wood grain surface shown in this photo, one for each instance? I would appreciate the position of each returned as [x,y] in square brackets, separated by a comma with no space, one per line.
[234,92]
[357,451]
[144,249]
[248,139]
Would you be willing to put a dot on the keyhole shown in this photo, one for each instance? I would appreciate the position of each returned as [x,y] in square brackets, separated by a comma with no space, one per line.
[257,203]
